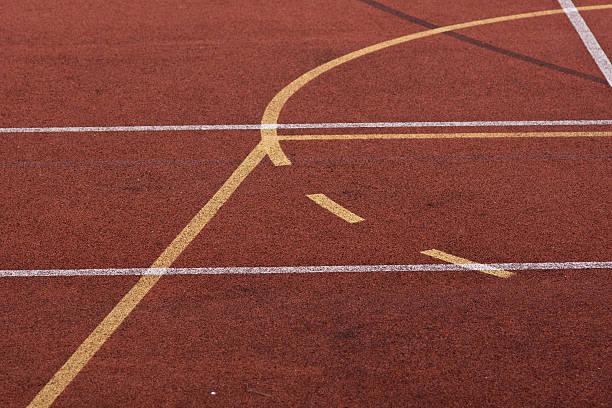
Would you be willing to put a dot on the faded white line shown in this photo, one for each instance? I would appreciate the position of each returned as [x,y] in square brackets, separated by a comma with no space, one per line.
[262,270]
[342,125]
[589,40]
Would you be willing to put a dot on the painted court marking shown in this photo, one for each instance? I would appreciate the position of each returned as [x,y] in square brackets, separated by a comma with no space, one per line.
[509,135]
[339,125]
[272,112]
[335,208]
[268,146]
[466,264]
[265,270]
[587,37]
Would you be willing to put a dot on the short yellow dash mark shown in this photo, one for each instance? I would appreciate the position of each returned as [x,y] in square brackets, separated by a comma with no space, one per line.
[334,208]
[434,253]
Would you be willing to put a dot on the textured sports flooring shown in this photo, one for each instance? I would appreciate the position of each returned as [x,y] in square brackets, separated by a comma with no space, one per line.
[314,204]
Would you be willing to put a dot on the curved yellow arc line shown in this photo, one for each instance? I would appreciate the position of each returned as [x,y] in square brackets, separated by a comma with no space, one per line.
[269,137]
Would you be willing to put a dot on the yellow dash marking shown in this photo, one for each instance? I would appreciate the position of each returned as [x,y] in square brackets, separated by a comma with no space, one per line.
[335,208]
[113,320]
[270,137]
[483,135]
[434,253]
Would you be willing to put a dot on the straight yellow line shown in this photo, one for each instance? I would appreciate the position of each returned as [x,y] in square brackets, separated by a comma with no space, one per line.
[479,135]
[434,253]
[210,209]
[93,342]
[113,320]
[335,208]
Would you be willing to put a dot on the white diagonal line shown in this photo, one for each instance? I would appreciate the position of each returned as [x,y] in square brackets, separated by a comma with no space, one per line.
[589,40]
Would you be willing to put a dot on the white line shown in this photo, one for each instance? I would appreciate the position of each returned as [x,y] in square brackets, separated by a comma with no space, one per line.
[261,270]
[589,40]
[81,129]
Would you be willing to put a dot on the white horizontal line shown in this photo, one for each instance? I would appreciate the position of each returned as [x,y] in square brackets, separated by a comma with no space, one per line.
[73,129]
[260,270]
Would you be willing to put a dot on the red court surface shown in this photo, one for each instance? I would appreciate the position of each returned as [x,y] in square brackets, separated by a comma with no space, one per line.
[109,200]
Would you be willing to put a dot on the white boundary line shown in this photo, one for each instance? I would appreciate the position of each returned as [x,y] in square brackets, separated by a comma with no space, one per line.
[263,270]
[77,129]
[589,40]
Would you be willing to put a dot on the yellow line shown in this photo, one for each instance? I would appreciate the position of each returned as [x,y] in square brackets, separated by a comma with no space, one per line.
[113,320]
[93,342]
[434,253]
[270,137]
[482,135]
[335,208]
[210,209]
